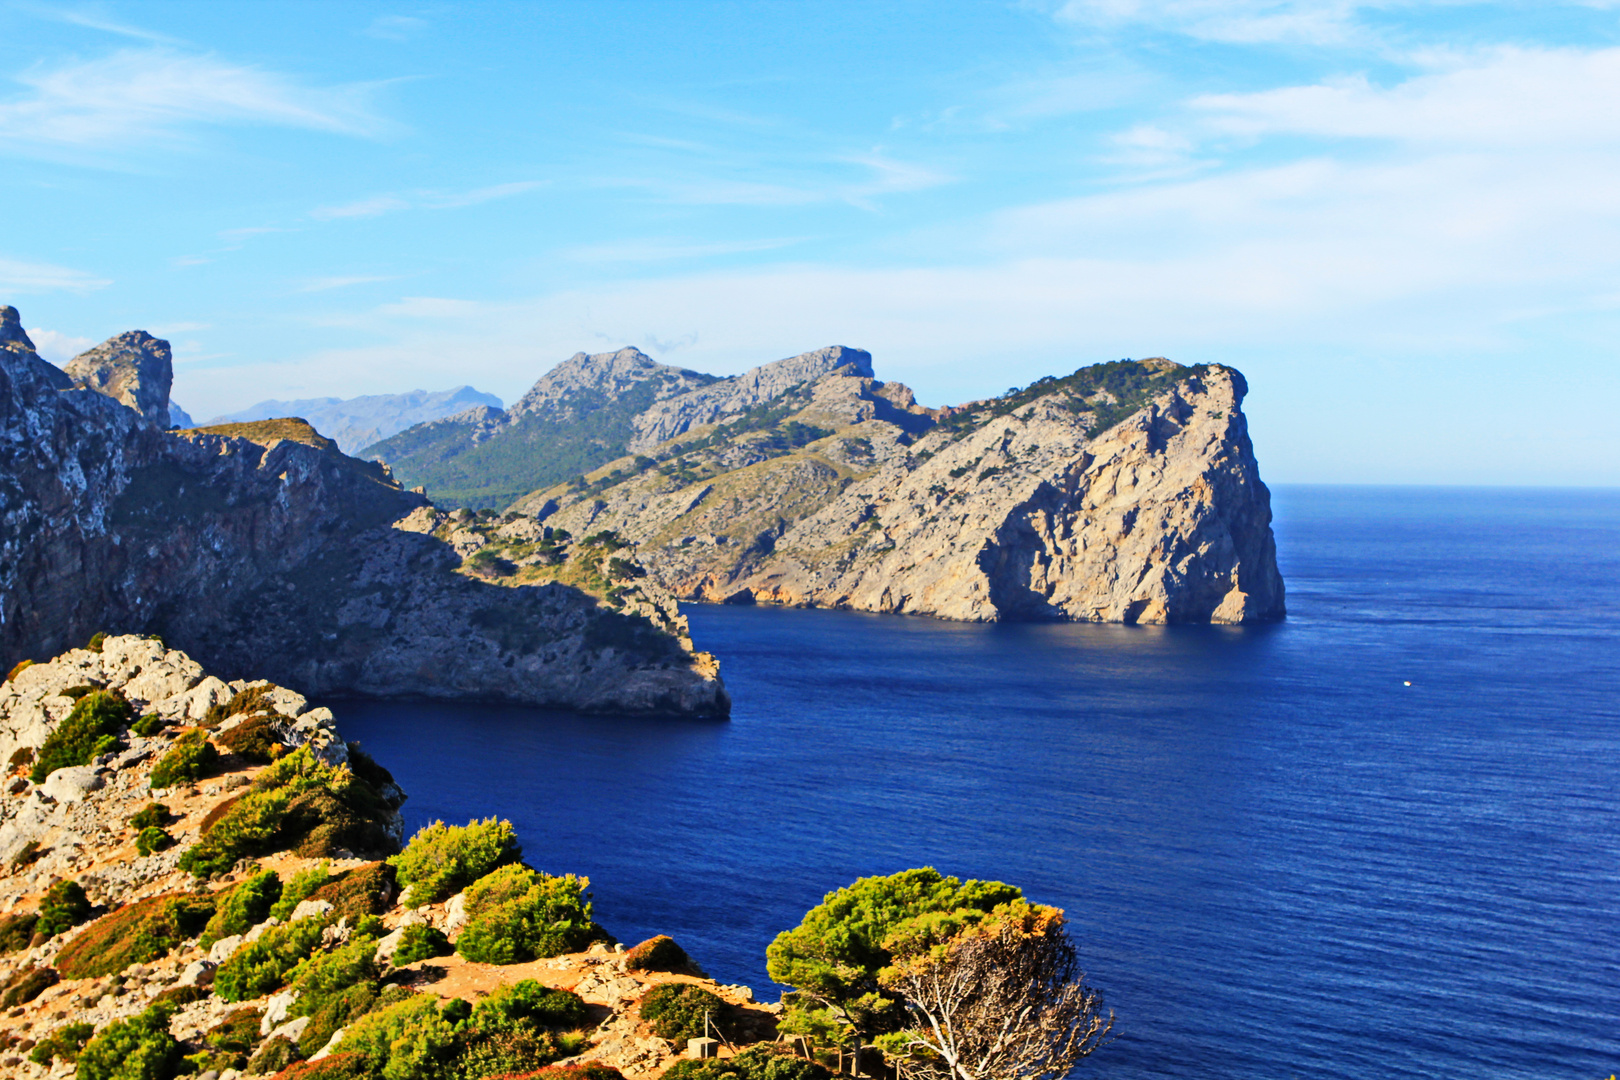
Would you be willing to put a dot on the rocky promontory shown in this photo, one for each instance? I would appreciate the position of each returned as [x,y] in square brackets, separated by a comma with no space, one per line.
[262,549]
[202,878]
[1125,492]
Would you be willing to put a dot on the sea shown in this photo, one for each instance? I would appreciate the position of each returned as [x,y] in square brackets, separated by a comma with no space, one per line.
[1378,839]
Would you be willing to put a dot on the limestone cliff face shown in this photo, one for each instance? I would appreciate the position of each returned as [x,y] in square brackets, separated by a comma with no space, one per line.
[1061,503]
[262,548]
[134,369]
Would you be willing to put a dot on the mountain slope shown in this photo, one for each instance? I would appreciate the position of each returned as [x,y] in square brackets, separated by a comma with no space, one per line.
[1125,492]
[263,548]
[587,411]
[357,422]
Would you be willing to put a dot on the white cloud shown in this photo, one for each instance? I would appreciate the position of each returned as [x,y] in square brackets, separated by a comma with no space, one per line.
[326,284]
[376,205]
[139,96]
[664,250]
[57,347]
[1314,22]
[26,277]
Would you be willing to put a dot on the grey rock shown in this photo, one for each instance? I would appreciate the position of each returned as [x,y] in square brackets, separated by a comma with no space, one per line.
[275,1011]
[309,909]
[292,1030]
[72,783]
[198,973]
[133,368]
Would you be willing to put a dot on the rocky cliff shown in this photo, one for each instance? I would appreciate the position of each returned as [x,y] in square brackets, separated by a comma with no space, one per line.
[158,912]
[262,548]
[1125,492]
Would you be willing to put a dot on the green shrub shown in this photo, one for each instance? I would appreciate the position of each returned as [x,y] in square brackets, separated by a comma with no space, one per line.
[149,725]
[528,1003]
[344,1066]
[242,907]
[181,996]
[363,891]
[763,1061]
[262,966]
[335,1011]
[26,984]
[153,813]
[676,1010]
[504,1052]
[588,1071]
[65,1043]
[407,1041]
[21,758]
[303,883]
[18,670]
[91,728]
[139,1048]
[152,839]
[298,803]
[274,1056]
[190,758]
[658,954]
[16,931]
[135,934]
[515,915]
[63,907]
[95,642]
[27,855]
[421,942]
[227,1044]
[255,699]
[441,859]
[254,739]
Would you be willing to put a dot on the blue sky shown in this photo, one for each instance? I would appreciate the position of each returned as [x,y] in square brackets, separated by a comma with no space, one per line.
[1400,220]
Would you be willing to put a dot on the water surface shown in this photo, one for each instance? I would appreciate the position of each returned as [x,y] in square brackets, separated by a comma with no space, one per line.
[1279,859]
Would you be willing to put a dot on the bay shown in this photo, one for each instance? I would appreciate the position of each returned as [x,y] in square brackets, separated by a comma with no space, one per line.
[1379,839]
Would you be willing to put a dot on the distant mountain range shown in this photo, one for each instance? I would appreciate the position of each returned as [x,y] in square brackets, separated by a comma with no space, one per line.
[356,422]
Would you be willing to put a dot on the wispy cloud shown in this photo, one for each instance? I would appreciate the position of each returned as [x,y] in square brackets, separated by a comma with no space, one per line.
[92,20]
[667,250]
[326,284]
[136,97]
[396,27]
[375,205]
[1247,22]
[30,277]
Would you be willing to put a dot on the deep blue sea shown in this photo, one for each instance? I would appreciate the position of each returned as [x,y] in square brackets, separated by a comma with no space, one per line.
[1380,839]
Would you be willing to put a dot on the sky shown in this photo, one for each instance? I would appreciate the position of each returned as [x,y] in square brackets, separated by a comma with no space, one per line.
[1401,221]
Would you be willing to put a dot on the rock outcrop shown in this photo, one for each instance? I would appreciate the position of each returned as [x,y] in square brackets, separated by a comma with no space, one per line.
[132,942]
[263,548]
[134,369]
[1123,493]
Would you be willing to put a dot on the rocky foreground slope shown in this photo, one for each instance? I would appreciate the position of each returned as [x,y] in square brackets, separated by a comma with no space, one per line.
[192,882]
[262,549]
[1125,492]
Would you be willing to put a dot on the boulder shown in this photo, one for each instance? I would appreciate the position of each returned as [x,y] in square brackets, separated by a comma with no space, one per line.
[72,783]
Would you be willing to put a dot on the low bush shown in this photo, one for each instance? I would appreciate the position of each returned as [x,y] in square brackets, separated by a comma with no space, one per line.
[255,739]
[658,954]
[363,891]
[255,699]
[514,1050]
[22,665]
[65,1043]
[27,854]
[407,1041]
[335,989]
[95,642]
[228,1043]
[587,1071]
[63,907]
[21,758]
[153,813]
[275,1055]
[334,1011]
[242,907]
[762,1061]
[135,934]
[528,1003]
[344,1066]
[263,966]
[152,839]
[181,996]
[441,860]
[149,725]
[297,803]
[26,984]
[91,728]
[421,942]
[515,915]
[16,931]
[367,769]
[190,759]
[139,1048]
[676,1011]
[297,890]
